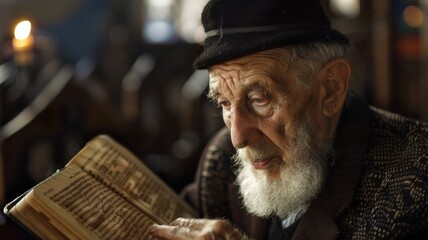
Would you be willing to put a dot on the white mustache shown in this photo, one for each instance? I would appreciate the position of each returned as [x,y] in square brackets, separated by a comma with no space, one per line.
[260,151]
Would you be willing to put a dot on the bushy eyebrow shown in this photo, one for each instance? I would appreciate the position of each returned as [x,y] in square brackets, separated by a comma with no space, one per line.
[258,86]
[214,91]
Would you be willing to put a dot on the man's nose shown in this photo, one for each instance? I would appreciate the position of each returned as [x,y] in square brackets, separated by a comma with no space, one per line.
[244,130]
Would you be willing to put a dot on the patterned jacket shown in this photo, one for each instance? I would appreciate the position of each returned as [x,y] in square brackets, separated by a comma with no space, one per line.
[377,187]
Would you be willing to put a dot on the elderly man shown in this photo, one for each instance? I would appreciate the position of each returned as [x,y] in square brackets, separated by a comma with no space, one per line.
[312,161]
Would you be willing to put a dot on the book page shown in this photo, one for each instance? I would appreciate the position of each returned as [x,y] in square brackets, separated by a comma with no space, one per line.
[83,208]
[35,221]
[22,213]
[118,168]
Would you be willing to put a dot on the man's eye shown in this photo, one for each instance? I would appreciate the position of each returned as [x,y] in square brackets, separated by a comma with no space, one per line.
[223,103]
[261,103]
[259,99]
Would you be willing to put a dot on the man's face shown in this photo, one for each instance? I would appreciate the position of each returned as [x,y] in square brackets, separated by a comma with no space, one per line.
[262,103]
[275,124]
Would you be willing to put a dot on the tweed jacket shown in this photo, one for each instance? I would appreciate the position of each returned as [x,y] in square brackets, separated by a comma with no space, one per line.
[377,186]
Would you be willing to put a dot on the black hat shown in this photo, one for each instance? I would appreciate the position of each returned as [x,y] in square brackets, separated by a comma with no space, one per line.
[236,28]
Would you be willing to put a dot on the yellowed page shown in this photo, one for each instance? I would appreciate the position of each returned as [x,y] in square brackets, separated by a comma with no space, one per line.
[120,169]
[80,207]
[37,222]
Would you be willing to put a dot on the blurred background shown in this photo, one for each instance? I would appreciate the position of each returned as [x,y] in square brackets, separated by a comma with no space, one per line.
[124,68]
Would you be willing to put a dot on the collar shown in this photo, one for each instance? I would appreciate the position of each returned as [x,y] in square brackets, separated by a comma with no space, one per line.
[350,146]
[294,216]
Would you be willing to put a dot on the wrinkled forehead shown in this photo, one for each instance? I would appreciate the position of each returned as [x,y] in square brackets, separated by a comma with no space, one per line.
[221,80]
[264,68]
[270,64]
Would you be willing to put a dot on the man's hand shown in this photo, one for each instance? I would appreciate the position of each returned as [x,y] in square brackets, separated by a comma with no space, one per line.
[199,229]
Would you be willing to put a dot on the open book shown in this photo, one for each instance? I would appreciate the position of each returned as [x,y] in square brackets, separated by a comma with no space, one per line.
[104,192]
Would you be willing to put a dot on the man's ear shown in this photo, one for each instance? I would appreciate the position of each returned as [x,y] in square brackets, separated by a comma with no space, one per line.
[335,83]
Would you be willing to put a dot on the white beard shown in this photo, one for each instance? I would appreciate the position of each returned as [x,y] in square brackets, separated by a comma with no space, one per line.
[301,177]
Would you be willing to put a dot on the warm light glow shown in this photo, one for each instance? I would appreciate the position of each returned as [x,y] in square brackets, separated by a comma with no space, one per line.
[346,8]
[413,16]
[22,30]
[22,43]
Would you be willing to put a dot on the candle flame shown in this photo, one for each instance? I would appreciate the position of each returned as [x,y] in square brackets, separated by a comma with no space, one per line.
[23,30]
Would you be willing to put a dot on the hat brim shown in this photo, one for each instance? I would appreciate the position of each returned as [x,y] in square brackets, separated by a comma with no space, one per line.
[219,49]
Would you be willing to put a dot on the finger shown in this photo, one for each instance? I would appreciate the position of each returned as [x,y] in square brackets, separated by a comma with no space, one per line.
[210,228]
[236,235]
[196,224]
[170,232]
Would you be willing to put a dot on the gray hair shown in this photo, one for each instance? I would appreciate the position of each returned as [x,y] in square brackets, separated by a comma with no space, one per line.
[310,57]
